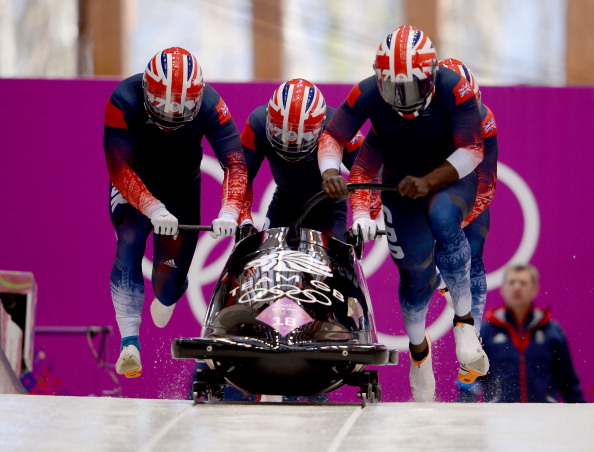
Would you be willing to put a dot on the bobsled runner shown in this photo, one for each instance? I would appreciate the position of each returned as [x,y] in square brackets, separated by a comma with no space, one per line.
[290,315]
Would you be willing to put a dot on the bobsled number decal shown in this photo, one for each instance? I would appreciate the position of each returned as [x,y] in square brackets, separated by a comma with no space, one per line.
[284,316]
[290,260]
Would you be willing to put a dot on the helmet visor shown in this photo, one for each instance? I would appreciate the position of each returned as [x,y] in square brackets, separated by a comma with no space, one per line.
[405,96]
[293,141]
[172,108]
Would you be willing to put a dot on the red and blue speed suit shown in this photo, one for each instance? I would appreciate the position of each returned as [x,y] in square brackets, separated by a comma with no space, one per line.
[476,225]
[425,231]
[529,363]
[148,168]
[296,182]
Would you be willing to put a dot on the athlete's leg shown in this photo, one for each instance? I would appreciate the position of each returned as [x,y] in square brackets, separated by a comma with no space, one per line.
[476,233]
[126,280]
[173,257]
[329,216]
[411,244]
[447,208]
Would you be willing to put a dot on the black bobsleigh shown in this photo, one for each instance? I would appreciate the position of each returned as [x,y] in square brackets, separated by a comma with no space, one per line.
[290,315]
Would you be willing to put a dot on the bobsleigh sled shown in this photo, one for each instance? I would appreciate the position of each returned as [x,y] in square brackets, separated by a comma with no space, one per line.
[290,315]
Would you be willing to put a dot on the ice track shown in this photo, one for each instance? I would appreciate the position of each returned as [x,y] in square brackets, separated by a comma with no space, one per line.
[54,423]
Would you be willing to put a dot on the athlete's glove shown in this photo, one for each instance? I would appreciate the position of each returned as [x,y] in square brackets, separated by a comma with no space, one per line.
[224,226]
[366,227]
[163,222]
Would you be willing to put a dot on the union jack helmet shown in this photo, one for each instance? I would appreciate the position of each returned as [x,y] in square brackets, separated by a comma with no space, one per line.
[462,69]
[295,119]
[173,88]
[405,68]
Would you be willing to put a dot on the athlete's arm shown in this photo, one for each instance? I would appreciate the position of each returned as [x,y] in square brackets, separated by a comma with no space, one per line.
[349,155]
[118,144]
[253,160]
[364,170]
[225,141]
[329,162]
[343,126]
[487,170]
[415,187]
[351,150]
[466,131]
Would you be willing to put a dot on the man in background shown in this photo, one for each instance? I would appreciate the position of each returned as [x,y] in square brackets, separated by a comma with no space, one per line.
[527,349]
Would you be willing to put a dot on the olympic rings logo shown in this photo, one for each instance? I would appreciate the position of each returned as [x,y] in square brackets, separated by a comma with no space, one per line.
[202,274]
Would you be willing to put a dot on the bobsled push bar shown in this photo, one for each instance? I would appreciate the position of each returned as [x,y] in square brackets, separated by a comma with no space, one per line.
[311,203]
[351,187]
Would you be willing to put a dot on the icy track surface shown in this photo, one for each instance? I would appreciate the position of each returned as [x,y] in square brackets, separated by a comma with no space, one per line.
[54,423]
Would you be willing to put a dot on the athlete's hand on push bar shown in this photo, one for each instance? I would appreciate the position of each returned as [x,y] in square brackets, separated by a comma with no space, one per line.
[366,228]
[163,222]
[413,187]
[334,184]
[223,226]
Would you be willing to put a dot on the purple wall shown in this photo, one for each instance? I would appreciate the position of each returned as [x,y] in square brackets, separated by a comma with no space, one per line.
[55,223]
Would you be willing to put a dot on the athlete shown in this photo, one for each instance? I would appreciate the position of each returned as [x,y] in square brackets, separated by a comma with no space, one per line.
[154,125]
[426,132]
[476,225]
[286,132]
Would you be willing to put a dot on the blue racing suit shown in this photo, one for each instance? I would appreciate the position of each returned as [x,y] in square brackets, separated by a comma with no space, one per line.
[148,168]
[425,231]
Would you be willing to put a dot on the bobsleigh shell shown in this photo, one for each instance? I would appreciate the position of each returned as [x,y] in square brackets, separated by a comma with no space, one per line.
[288,316]
[285,295]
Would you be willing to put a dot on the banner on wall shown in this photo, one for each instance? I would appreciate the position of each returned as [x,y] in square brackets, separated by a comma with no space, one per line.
[56,225]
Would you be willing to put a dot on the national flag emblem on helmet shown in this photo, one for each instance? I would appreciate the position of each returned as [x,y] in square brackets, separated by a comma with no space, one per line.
[405,68]
[295,119]
[173,87]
